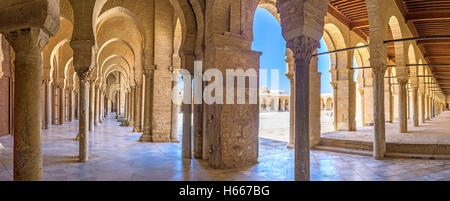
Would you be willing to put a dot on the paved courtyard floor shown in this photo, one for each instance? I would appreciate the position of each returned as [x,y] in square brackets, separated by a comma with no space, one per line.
[116,154]
[436,131]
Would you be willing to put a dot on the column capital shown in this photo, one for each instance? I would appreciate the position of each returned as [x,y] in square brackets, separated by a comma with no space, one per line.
[402,81]
[303,47]
[83,56]
[149,72]
[27,41]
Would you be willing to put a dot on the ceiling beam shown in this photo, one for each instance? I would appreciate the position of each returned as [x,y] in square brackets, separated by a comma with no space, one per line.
[427,15]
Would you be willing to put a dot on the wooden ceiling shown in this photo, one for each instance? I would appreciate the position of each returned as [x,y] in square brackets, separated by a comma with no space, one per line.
[423,17]
[431,18]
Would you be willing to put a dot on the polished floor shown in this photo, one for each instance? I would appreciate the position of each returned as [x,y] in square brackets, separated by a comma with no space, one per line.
[435,131]
[116,154]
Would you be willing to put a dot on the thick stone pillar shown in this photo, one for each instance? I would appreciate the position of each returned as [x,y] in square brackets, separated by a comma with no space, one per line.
[148,105]
[402,105]
[62,105]
[344,99]
[91,105]
[96,105]
[379,143]
[48,104]
[415,106]
[138,109]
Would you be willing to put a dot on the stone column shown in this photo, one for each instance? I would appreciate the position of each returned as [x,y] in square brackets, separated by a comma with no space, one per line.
[422,106]
[62,105]
[186,139]
[48,104]
[102,105]
[402,105]
[70,104]
[415,91]
[91,105]
[83,117]
[408,102]
[118,104]
[174,129]
[138,109]
[379,143]
[132,105]
[96,105]
[388,102]
[148,105]
[303,48]
[291,144]
[28,44]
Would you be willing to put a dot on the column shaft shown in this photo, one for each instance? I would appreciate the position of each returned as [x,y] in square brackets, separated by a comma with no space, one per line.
[415,106]
[402,107]
[292,115]
[138,110]
[91,106]
[148,106]
[379,143]
[174,129]
[48,104]
[27,152]
[83,118]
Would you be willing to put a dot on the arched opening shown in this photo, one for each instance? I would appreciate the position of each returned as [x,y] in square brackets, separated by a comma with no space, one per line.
[268,39]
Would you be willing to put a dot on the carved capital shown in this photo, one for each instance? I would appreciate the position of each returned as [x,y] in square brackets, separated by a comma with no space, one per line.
[402,81]
[303,47]
[28,42]
[149,72]
[83,57]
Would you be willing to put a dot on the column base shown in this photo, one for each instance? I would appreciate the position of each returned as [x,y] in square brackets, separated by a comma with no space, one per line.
[291,146]
[131,124]
[175,140]
[146,138]
[137,130]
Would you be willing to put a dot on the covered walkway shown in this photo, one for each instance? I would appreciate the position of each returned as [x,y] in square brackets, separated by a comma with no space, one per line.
[116,154]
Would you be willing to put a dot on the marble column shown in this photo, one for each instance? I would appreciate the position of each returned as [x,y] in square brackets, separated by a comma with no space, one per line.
[117,105]
[303,48]
[148,105]
[70,105]
[138,109]
[27,153]
[415,106]
[102,106]
[96,105]
[388,101]
[186,139]
[174,128]
[132,105]
[83,134]
[291,144]
[402,105]
[422,107]
[62,105]
[91,105]
[48,104]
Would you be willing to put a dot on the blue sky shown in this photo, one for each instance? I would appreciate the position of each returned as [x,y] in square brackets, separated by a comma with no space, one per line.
[269,40]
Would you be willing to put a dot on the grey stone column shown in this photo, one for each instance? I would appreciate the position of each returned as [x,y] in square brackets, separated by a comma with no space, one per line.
[48,104]
[148,105]
[402,103]
[415,108]
[138,109]
[27,153]
[186,139]
[303,48]
[91,105]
